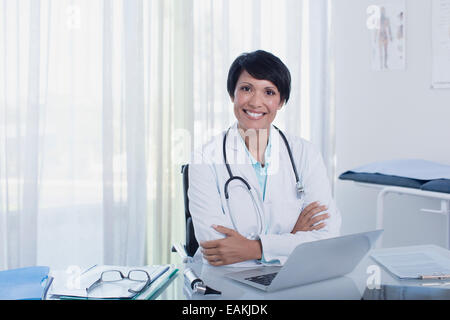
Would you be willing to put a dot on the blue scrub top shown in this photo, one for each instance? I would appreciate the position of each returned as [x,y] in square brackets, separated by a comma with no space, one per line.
[261,172]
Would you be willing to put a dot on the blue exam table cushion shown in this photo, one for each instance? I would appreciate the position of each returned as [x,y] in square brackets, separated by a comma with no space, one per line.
[408,173]
[440,185]
[377,178]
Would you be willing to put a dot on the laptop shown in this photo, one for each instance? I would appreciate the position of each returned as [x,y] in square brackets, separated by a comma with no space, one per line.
[311,262]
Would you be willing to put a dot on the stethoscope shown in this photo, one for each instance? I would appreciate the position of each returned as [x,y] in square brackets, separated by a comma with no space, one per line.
[298,184]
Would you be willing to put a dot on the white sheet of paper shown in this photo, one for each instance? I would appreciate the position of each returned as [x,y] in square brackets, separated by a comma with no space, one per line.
[408,168]
[441,43]
[66,284]
[413,264]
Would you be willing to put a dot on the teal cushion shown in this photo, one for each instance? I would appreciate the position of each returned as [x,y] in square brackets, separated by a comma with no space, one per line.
[439,185]
[377,178]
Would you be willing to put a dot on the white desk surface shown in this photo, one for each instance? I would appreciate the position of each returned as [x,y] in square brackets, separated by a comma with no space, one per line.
[349,287]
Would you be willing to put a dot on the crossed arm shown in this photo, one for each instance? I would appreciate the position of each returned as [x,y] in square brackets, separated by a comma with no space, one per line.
[236,248]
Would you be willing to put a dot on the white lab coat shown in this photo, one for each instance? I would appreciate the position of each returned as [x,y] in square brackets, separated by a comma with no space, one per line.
[281,206]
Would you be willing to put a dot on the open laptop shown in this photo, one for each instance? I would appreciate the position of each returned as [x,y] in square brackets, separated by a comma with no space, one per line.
[311,262]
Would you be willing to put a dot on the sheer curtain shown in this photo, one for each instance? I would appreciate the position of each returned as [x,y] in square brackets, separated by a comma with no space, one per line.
[296,31]
[198,45]
[73,153]
[101,101]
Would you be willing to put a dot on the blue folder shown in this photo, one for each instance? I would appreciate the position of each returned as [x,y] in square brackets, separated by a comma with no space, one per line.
[24,283]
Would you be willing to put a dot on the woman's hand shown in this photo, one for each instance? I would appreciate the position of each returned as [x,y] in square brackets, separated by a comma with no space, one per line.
[307,220]
[234,248]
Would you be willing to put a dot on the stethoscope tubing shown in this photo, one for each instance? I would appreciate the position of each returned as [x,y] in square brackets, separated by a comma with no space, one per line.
[232,178]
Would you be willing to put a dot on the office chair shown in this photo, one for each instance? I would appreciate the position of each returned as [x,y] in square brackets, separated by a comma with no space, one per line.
[191,245]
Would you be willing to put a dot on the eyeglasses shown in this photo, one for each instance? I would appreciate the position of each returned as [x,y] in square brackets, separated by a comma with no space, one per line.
[111,276]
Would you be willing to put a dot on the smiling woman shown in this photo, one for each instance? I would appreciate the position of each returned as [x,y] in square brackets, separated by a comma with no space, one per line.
[258,85]
[256,102]
[255,211]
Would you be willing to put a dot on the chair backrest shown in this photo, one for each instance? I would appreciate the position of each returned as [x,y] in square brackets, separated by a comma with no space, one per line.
[191,241]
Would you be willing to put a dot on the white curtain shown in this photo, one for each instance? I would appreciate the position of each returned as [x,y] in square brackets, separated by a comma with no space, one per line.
[296,31]
[101,101]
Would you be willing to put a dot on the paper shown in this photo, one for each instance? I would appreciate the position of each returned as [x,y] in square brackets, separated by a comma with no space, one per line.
[69,286]
[386,20]
[413,265]
[441,43]
[408,168]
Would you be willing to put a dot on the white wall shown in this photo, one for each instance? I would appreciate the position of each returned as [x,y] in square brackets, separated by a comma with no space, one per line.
[387,115]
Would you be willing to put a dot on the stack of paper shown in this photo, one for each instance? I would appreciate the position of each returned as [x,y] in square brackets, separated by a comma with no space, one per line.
[70,287]
[414,262]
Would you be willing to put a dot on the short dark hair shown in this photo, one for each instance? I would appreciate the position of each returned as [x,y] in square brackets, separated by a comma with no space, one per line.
[261,65]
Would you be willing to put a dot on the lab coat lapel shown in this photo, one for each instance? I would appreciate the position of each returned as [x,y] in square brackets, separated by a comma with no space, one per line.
[276,172]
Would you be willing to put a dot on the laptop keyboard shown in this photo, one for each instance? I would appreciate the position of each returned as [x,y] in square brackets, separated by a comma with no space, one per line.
[265,279]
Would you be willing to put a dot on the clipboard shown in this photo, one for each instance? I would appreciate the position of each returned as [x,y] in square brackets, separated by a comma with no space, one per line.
[63,289]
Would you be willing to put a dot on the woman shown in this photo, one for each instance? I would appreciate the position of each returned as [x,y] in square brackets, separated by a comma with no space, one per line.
[246,203]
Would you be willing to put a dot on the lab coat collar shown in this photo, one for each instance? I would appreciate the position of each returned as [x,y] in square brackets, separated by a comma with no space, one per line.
[236,153]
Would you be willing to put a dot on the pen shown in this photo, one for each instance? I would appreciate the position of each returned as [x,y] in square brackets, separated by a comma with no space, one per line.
[432,284]
[88,269]
[47,286]
[435,277]
[159,274]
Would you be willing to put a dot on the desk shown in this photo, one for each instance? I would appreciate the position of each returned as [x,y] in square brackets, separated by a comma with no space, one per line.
[349,287]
